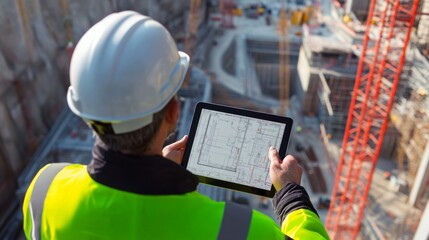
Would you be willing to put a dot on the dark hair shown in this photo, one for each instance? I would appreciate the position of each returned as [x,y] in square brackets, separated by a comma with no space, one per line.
[136,142]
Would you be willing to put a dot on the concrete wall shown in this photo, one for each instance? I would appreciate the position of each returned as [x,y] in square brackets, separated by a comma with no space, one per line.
[423,230]
[423,27]
[303,78]
[228,58]
[33,79]
[268,76]
[421,179]
[33,53]
[359,8]
[307,84]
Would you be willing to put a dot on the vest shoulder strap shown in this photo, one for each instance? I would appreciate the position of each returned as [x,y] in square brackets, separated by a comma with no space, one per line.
[236,221]
[37,199]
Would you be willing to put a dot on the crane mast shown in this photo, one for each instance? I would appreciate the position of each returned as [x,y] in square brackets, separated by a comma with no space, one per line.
[381,61]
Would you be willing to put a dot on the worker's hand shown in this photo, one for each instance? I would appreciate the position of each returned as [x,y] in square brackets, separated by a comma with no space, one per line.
[283,172]
[175,150]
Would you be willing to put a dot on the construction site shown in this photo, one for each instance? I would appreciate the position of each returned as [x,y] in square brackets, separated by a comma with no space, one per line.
[352,74]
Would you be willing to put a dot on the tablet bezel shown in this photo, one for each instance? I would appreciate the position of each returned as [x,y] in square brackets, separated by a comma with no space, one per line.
[240,112]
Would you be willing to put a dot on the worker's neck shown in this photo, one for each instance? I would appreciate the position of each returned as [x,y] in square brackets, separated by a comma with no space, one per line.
[157,144]
[154,149]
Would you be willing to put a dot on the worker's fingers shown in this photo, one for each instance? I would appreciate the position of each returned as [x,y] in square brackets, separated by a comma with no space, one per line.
[284,171]
[175,150]
[181,144]
[274,157]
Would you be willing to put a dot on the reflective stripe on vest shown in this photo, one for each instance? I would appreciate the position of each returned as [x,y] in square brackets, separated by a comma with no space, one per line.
[235,223]
[38,196]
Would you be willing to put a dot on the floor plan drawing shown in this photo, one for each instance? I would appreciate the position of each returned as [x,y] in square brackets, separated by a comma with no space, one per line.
[234,148]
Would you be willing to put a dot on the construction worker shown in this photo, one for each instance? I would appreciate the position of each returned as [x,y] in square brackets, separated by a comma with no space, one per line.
[125,73]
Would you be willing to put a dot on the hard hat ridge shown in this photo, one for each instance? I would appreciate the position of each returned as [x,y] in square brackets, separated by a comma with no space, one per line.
[124,69]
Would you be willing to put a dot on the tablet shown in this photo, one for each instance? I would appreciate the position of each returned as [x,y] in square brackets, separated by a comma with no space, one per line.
[228,147]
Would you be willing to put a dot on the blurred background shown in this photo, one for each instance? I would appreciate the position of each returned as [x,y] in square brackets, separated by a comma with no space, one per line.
[353,74]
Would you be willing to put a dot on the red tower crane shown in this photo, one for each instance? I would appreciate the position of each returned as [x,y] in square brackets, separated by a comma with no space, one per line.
[385,42]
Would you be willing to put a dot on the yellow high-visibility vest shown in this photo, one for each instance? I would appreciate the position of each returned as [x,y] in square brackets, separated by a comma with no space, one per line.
[77,207]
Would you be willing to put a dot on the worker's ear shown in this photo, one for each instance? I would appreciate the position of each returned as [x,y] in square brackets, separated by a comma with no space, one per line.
[172,111]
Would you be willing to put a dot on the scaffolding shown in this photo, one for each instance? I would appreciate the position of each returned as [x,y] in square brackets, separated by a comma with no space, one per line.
[423,27]
[333,66]
[411,119]
[334,101]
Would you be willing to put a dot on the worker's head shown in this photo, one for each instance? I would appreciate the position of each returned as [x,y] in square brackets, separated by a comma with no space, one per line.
[124,74]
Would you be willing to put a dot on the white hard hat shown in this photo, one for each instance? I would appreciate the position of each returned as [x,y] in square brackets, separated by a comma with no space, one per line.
[124,69]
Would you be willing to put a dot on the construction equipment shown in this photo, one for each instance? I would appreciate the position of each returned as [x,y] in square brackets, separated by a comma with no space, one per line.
[379,70]
[227,9]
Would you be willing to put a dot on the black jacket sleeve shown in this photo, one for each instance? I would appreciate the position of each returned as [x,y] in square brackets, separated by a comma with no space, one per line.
[290,198]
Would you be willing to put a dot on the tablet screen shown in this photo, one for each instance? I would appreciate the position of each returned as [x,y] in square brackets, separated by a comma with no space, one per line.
[228,147]
[234,148]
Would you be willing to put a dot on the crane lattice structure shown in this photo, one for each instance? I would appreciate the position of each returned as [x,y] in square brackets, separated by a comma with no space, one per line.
[385,42]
